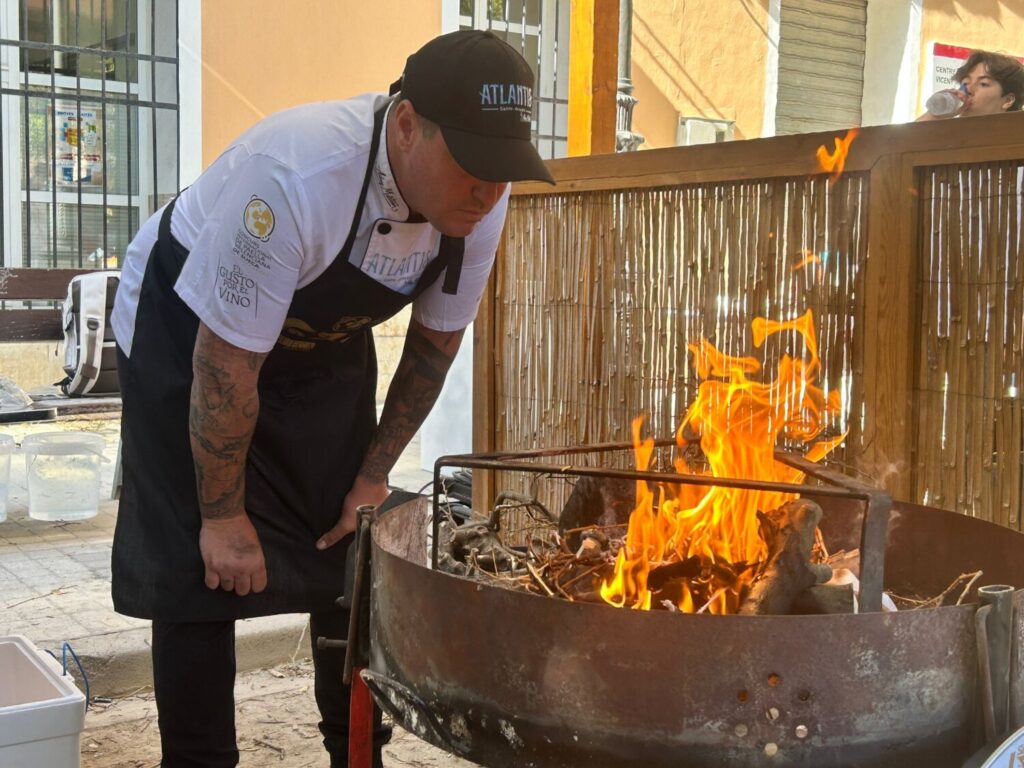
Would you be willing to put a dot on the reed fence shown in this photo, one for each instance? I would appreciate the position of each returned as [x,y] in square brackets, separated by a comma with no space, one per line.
[910,262]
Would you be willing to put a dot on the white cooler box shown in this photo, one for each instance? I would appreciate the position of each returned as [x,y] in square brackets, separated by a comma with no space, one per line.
[41,712]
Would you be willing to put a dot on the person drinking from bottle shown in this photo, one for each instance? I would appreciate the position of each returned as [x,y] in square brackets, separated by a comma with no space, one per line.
[990,84]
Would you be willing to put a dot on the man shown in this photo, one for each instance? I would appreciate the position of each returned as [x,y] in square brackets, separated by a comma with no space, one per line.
[990,84]
[248,371]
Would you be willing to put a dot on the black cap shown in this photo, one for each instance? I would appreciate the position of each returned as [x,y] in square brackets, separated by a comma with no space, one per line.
[479,90]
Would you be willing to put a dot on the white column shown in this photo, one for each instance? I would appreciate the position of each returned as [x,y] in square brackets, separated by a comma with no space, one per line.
[771,68]
[10,75]
[190,80]
[892,57]
[449,16]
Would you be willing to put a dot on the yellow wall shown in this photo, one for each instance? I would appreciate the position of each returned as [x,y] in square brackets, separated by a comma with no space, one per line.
[260,56]
[700,59]
[993,25]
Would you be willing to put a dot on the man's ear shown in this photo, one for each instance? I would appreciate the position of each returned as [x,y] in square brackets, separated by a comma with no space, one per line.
[1008,101]
[406,120]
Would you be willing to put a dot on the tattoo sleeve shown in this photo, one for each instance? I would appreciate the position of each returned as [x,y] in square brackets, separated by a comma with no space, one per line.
[416,384]
[222,417]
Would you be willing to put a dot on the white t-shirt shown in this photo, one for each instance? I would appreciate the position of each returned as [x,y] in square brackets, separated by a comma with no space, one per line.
[272,213]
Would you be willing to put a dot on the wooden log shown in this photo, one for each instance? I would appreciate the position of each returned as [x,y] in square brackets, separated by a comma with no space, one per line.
[789,532]
[824,598]
[599,502]
[480,546]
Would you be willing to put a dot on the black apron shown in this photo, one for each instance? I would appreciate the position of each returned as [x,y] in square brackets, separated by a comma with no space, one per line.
[317,415]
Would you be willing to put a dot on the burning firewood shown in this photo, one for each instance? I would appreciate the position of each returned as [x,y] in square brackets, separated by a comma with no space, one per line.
[596,502]
[480,545]
[825,598]
[789,532]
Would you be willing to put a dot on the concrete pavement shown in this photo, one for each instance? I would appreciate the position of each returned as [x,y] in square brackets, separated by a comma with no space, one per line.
[55,579]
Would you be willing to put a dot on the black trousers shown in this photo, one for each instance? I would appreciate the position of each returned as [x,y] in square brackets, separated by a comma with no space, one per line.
[194,682]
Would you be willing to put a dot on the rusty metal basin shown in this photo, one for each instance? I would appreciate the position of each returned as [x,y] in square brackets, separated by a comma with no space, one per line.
[507,678]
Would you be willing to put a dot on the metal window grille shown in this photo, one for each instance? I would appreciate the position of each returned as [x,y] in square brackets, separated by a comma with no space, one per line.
[89,126]
[539,30]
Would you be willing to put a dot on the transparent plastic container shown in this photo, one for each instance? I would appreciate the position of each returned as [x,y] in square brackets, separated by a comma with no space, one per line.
[63,472]
[6,449]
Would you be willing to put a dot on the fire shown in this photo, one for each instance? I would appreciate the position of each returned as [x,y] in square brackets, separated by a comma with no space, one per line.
[739,421]
[809,258]
[835,161]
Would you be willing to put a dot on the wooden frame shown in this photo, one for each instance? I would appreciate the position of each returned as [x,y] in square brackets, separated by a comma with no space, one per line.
[892,156]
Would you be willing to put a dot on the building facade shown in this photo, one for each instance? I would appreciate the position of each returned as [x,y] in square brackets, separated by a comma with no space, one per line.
[706,71]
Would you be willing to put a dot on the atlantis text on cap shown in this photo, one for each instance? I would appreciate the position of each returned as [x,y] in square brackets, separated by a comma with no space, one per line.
[500,96]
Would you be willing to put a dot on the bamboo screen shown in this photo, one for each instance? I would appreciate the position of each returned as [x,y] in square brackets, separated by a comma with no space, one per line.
[598,294]
[969,368]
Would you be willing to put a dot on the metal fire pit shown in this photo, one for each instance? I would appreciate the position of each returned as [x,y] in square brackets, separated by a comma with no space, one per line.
[506,678]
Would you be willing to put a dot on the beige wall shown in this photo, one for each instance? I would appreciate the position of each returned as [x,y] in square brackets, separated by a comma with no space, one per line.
[701,59]
[260,56]
[993,25]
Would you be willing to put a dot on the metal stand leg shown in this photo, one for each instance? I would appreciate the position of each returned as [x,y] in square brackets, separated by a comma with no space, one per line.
[360,729]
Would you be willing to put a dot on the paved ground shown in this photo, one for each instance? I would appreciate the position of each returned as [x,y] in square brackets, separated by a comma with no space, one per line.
[55,588]
[276,728]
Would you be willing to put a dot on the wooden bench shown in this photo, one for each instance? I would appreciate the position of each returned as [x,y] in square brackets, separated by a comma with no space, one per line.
[19,324]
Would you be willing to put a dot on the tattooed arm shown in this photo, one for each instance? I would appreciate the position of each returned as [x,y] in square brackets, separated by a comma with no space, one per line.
[416,384]
[222,417]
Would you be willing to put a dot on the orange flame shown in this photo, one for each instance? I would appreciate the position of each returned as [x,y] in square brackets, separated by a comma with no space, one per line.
[739,421]
[835,161]
[809,258]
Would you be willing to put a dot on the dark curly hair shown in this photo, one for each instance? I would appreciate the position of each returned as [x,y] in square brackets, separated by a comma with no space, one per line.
[1005,70]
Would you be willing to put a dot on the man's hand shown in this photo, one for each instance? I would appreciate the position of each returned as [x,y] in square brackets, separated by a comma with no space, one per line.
[232,555]
[363,492]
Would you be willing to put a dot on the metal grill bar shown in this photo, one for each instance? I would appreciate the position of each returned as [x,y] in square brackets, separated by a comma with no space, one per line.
[77,49]
[26,256]
[78,106]
[878,503]
[152,81]
[103,119]
[51,135]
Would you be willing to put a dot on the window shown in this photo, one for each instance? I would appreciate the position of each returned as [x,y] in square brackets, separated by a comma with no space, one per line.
[88,126]
[539,30]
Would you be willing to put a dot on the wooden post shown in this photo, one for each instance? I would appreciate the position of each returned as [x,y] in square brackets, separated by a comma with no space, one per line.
[593,76]
[883,448]
[484,383]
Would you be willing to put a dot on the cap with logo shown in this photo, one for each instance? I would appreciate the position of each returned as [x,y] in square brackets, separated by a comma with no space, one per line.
[479,90]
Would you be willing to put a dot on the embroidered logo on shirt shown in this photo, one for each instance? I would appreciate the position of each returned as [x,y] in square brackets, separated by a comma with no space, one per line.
[388,192]
[258,219]
[300,336]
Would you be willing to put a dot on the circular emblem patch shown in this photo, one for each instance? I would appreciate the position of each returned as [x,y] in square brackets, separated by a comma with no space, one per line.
[258,218]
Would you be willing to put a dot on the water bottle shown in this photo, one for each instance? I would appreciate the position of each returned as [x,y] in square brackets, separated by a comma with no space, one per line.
[943,103]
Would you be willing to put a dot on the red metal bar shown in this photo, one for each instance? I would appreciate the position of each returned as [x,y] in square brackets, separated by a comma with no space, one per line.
[360,724]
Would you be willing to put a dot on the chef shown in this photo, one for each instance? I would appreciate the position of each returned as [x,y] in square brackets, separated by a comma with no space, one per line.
[248,374]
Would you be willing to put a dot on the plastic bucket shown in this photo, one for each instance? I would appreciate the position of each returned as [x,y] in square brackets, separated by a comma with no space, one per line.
[63,472]
[6,449]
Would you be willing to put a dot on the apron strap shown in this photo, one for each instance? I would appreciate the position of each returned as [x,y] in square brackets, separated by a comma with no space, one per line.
[451,250]
[164,231]
[378,122]
[456,249]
